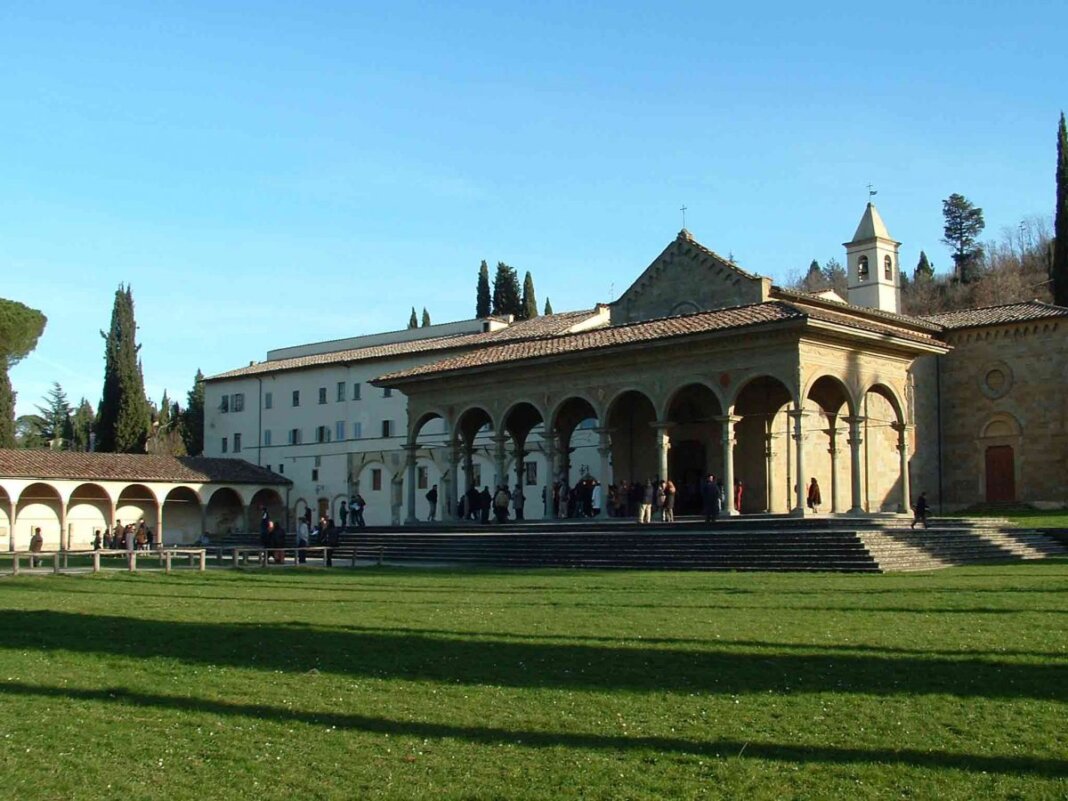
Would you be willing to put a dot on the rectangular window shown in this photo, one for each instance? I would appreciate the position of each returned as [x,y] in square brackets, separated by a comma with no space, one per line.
[376,480]
[476,474]
[357,430]
[322,394]
[387,428]
[239,402]
[294,436]
[421,477]
[224,404]
[387,392]
[296,397]
[237,443]
[268,400]
[356,391]
[224,444]
[530,473]
[322,434]
[340,391]
[281,469]
[339,430]
[315,474]
[267,436]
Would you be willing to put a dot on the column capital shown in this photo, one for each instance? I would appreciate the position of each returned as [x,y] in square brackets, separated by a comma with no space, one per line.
[662,425]
[854,420]
[797,414]
[728,419]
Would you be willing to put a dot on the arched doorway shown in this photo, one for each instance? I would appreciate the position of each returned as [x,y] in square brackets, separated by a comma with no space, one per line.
[182,518]
[696,437]
[634,448]
[39,506]
[827,455]
[764,451]
[88,511]
[225,513]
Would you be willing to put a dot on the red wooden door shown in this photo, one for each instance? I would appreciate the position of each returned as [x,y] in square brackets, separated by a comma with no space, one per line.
[1000,474]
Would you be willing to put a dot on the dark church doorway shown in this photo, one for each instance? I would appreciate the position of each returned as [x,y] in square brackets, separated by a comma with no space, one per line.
[1000,474]
[686,466]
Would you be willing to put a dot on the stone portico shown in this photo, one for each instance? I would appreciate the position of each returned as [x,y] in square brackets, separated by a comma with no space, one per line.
[736,377]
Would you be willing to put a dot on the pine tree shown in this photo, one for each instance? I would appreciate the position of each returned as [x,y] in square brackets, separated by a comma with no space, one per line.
[548,306]
[924,270]
[81,424]
[54,422]
[1060,220]
[506,298]
[413,321]
[529,303]
[20,328]
[963,224]
[426,317]
[813,280]
[482,295]
[193,418]
[124,418]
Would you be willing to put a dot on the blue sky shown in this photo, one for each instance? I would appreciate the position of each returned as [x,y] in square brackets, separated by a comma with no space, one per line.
[268,174]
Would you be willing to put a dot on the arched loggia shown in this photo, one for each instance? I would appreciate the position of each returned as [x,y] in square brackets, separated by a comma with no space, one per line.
[828,446]
[695,430]
[433,425]
[576,423]
[764,449]
[884,454]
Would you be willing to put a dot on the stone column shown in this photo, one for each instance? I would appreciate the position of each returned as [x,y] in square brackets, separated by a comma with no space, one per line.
[500,459]
[453,492]
[832,449]
[903,449]
[551,452]
[409,464]
[798,416]
[769,459]
[159,526]
[469,465]
[727,422]
[663,448]
[604,450]
[856,439]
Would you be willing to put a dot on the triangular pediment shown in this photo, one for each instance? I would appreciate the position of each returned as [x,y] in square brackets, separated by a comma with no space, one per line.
[687,278]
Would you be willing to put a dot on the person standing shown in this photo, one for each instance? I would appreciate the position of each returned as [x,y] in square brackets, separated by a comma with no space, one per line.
[596,498]
[359,504]
[814,497]
[645,508]
[97,542]
[518,501]
[710,498]
[302,540]
[343,514]
[920,512]
[36,544]
[485,501]
[669,501]
[738,489]
[331,539]
[432,500]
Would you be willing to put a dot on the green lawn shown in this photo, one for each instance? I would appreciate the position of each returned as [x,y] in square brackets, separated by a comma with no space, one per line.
[549,685]
[1021,514]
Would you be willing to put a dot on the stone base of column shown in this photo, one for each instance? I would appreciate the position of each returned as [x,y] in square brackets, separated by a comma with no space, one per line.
[856,511]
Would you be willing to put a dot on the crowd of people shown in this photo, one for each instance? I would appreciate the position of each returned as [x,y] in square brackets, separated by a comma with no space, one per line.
[131,537]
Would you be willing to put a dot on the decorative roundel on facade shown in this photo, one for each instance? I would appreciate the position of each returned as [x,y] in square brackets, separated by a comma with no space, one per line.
[995,381]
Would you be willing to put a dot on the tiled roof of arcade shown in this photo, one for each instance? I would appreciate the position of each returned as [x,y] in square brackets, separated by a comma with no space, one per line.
[132,467]
[738,317]
[542,326]
[998,315]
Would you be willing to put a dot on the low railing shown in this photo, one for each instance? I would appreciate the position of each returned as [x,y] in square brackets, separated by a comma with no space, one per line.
[60,559]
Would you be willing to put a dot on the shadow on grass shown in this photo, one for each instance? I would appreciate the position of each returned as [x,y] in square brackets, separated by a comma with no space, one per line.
[413,656]
[420,730]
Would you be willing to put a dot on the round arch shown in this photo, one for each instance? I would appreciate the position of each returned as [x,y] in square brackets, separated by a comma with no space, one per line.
[88,511]
[692,411]
[271,500]
[5,520]
[182,516]
[138,502]
[1000,442]
[521,417]
[39,506]
[830,394]
[887,393]
[422,420]
[631,416]
[764,452]
[224,512]
[472,421]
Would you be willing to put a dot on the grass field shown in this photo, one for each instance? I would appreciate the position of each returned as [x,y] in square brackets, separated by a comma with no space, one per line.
[547,685]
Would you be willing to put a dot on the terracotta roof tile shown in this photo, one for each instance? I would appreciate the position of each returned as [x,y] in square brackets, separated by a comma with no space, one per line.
[648,331]
[998,315]
[546,325]
[132,467]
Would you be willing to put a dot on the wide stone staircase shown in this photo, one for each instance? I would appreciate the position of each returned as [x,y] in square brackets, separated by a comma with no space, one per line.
[861,544]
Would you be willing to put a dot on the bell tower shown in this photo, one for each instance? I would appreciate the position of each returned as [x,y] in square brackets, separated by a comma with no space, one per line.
[872,265]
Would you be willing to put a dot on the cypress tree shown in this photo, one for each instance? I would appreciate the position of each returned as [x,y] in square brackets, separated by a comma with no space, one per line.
[506,298]
[548,306]
[193,417]
[923,268]
[426,317]
[20,328]
[413,321]
[125,418]
[1060,220]
[81,423]
[482,296]
[529,304]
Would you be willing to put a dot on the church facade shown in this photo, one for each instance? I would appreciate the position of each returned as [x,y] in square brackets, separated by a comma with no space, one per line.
[699,367]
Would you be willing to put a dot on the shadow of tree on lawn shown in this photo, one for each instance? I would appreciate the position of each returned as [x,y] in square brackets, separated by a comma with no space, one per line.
[421,730]
[411,655]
